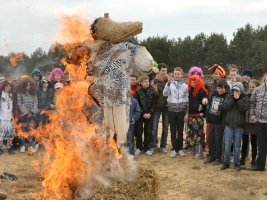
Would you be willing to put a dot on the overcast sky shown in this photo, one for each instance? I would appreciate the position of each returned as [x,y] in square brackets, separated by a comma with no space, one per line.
[29,24]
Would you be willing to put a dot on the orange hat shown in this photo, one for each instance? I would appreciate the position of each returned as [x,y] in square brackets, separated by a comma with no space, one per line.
[218,70]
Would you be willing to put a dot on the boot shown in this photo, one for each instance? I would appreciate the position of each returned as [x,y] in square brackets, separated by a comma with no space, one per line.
[10,150]
[242,162]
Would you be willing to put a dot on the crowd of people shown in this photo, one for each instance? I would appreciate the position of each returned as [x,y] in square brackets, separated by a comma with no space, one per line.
[234,112]
[25,103]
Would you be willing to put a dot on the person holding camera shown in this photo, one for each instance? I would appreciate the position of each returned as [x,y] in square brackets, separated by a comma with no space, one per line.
[236,105]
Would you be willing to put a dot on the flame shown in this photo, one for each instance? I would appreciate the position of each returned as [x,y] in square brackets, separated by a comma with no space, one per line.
[74,28]
[15,58]
[77,154]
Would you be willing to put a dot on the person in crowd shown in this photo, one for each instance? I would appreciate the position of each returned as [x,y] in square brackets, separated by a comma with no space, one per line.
[6,111]
[195,135]
[134,116]
[160,109]
[195,70]
[233,77]
[236,105]
[27,102]
[218,72]
[246,77]
[57,88]
[215,122]
[45,101]
[258,115]
[37,77]
[134,84]
[249,130]
[56,76]
[177,92]
[67,78]
[145,97]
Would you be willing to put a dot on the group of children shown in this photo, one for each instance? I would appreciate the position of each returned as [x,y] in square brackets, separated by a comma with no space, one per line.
[234,111]
[24,106]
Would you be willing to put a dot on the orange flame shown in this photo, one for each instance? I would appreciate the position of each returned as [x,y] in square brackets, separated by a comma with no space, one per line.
[75,28]
[77,153]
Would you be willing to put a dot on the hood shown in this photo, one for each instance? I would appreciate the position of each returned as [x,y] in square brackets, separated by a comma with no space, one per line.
[37,72]
[238,86]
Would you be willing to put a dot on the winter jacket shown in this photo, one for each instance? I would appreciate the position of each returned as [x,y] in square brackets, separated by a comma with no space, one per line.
[45,98]
[135,111]
[258,104]
[177,93]
[27,103]
[161,100]
[236,110]
[145,98]
[215,115]
[195,102]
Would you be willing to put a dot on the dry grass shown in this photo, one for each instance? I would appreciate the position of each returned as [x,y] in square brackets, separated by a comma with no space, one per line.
[144,187]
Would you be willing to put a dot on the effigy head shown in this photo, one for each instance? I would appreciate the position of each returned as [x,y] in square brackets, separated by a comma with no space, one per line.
[103,28]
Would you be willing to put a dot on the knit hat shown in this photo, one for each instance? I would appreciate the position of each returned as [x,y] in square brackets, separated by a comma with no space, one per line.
[44,80]
[247,72]
[58,85]
[238,86]
[218,70]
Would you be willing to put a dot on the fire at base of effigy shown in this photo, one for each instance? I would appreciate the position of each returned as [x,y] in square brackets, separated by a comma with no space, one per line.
[80,162]
[81,159]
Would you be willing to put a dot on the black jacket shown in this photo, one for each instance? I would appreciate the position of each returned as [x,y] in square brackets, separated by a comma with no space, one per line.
[45,98]
[145,98]
[236,110]
[213,115]
[195,103]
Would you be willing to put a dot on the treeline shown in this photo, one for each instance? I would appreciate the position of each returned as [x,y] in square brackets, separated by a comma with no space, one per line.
[247,49]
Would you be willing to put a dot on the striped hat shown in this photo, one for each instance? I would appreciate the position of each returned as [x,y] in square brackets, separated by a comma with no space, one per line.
[218,70]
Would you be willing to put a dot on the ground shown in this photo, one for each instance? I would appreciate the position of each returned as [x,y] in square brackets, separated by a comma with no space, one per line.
[181,178]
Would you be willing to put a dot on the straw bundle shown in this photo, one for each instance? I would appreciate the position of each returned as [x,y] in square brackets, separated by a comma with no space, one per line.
[116,32]
[144,187]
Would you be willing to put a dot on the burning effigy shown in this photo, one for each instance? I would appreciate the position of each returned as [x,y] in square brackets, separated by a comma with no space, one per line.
[82,158]
[112,61]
